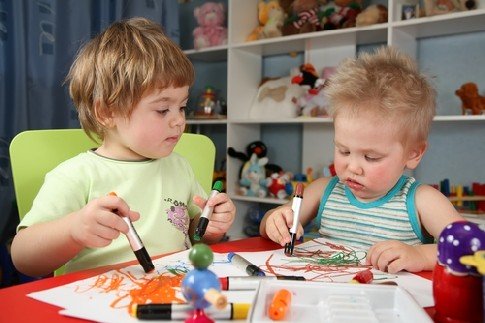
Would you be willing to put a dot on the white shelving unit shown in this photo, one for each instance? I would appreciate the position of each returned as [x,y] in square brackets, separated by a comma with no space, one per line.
[324,48]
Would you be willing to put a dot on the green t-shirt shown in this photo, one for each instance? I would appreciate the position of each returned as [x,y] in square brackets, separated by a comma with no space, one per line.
[161,190]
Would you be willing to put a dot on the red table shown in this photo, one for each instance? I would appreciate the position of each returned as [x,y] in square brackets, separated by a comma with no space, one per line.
[18,307]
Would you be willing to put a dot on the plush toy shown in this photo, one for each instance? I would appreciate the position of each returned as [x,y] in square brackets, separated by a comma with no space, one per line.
[471,99]
[211,31]
[373,14]
[341,14]
[279,185]
[274,99]
[258,148]
[303,18]
[253,177]
[271,18]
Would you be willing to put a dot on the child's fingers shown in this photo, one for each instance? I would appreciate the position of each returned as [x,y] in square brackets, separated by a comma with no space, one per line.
[279,232]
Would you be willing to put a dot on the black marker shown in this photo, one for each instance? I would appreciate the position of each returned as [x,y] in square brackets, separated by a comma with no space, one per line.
[243,264]
[135,243]
[206,213]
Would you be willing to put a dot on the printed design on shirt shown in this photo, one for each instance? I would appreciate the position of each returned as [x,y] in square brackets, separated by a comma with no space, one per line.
[178,217]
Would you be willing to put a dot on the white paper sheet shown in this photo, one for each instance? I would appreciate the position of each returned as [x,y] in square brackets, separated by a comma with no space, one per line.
[106,297]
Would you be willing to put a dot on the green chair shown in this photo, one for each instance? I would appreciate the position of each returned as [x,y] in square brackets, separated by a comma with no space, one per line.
[33,153]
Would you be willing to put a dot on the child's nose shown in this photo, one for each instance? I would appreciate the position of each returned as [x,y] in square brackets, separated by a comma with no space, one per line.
[177,120]
[354,167]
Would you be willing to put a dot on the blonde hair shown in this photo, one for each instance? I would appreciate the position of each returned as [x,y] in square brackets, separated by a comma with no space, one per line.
[387,83]
[113,70]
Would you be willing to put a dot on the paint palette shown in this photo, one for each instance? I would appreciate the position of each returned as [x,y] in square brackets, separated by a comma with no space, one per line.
[339,302]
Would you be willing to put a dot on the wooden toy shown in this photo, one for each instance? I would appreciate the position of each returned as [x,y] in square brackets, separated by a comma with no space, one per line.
[457,288]
[201,287]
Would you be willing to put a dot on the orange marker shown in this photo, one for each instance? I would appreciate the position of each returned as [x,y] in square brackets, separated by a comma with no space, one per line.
[279,305]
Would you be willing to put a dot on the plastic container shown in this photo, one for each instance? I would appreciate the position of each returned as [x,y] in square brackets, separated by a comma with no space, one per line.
[339,302]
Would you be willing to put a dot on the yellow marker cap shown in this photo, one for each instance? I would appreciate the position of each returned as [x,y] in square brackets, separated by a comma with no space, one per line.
[240,311]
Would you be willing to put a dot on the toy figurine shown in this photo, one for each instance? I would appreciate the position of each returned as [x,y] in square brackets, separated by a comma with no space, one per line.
[206,103]
[201,287]
[457,288]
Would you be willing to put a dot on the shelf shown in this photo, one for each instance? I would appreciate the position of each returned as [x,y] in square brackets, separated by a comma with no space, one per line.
[325,38]
[209,54]
[441,25]
[206,121]
[280,121]
[466,118]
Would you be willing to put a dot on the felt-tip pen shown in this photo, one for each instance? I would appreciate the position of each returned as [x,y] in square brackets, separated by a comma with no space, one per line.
[243,264]
[135,243]
[206,213]
[232,311]
[250,282]
[295,206]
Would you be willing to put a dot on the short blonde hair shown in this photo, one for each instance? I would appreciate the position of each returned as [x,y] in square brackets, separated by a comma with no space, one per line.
[387,83]
[113,70]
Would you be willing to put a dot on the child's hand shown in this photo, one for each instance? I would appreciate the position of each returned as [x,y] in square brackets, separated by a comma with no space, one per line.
[277,225]
[393,256]
[97,224]
[222,216]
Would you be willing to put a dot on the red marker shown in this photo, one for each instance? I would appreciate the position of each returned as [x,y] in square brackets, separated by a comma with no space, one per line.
[363,277]
[279,305]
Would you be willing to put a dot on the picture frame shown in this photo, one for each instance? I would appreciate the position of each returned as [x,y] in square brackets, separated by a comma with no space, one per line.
[409,11]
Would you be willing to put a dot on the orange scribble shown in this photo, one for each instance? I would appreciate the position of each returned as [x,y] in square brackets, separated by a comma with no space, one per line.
[105,283]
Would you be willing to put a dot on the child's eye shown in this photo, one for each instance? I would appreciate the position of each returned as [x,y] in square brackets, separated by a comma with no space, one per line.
[182,109]
[162,111]
[344,153]
[372,159]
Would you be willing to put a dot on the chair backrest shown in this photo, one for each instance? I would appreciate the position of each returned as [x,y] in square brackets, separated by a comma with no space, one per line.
[33,153]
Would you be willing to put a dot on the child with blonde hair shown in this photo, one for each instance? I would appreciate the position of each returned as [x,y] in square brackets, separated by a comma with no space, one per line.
[130,85]
[382,108]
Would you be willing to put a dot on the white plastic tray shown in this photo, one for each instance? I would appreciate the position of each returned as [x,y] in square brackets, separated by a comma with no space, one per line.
[339,302]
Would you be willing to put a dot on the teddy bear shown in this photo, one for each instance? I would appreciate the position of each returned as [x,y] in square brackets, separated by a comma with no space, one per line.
[211,31]
[340,14]
[471,99]
[271,18]
[303,17]
[373,14]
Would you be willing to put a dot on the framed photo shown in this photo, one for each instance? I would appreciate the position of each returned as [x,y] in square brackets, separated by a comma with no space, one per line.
[409,11]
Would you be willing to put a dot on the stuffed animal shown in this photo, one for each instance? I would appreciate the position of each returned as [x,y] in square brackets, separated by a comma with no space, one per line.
[271,18]
[303,18]
[341,14]
[279,185]
[211,31]
[253,177]
[470,98]
[373,14]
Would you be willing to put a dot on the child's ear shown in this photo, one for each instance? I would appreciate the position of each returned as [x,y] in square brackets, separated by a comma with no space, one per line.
[103,114]
[415,154]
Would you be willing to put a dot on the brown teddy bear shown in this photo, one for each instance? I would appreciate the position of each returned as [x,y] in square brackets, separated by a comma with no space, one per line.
[303,17]
[471,100]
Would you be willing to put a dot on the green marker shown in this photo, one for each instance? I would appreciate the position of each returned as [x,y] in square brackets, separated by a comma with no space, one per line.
[207,212]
